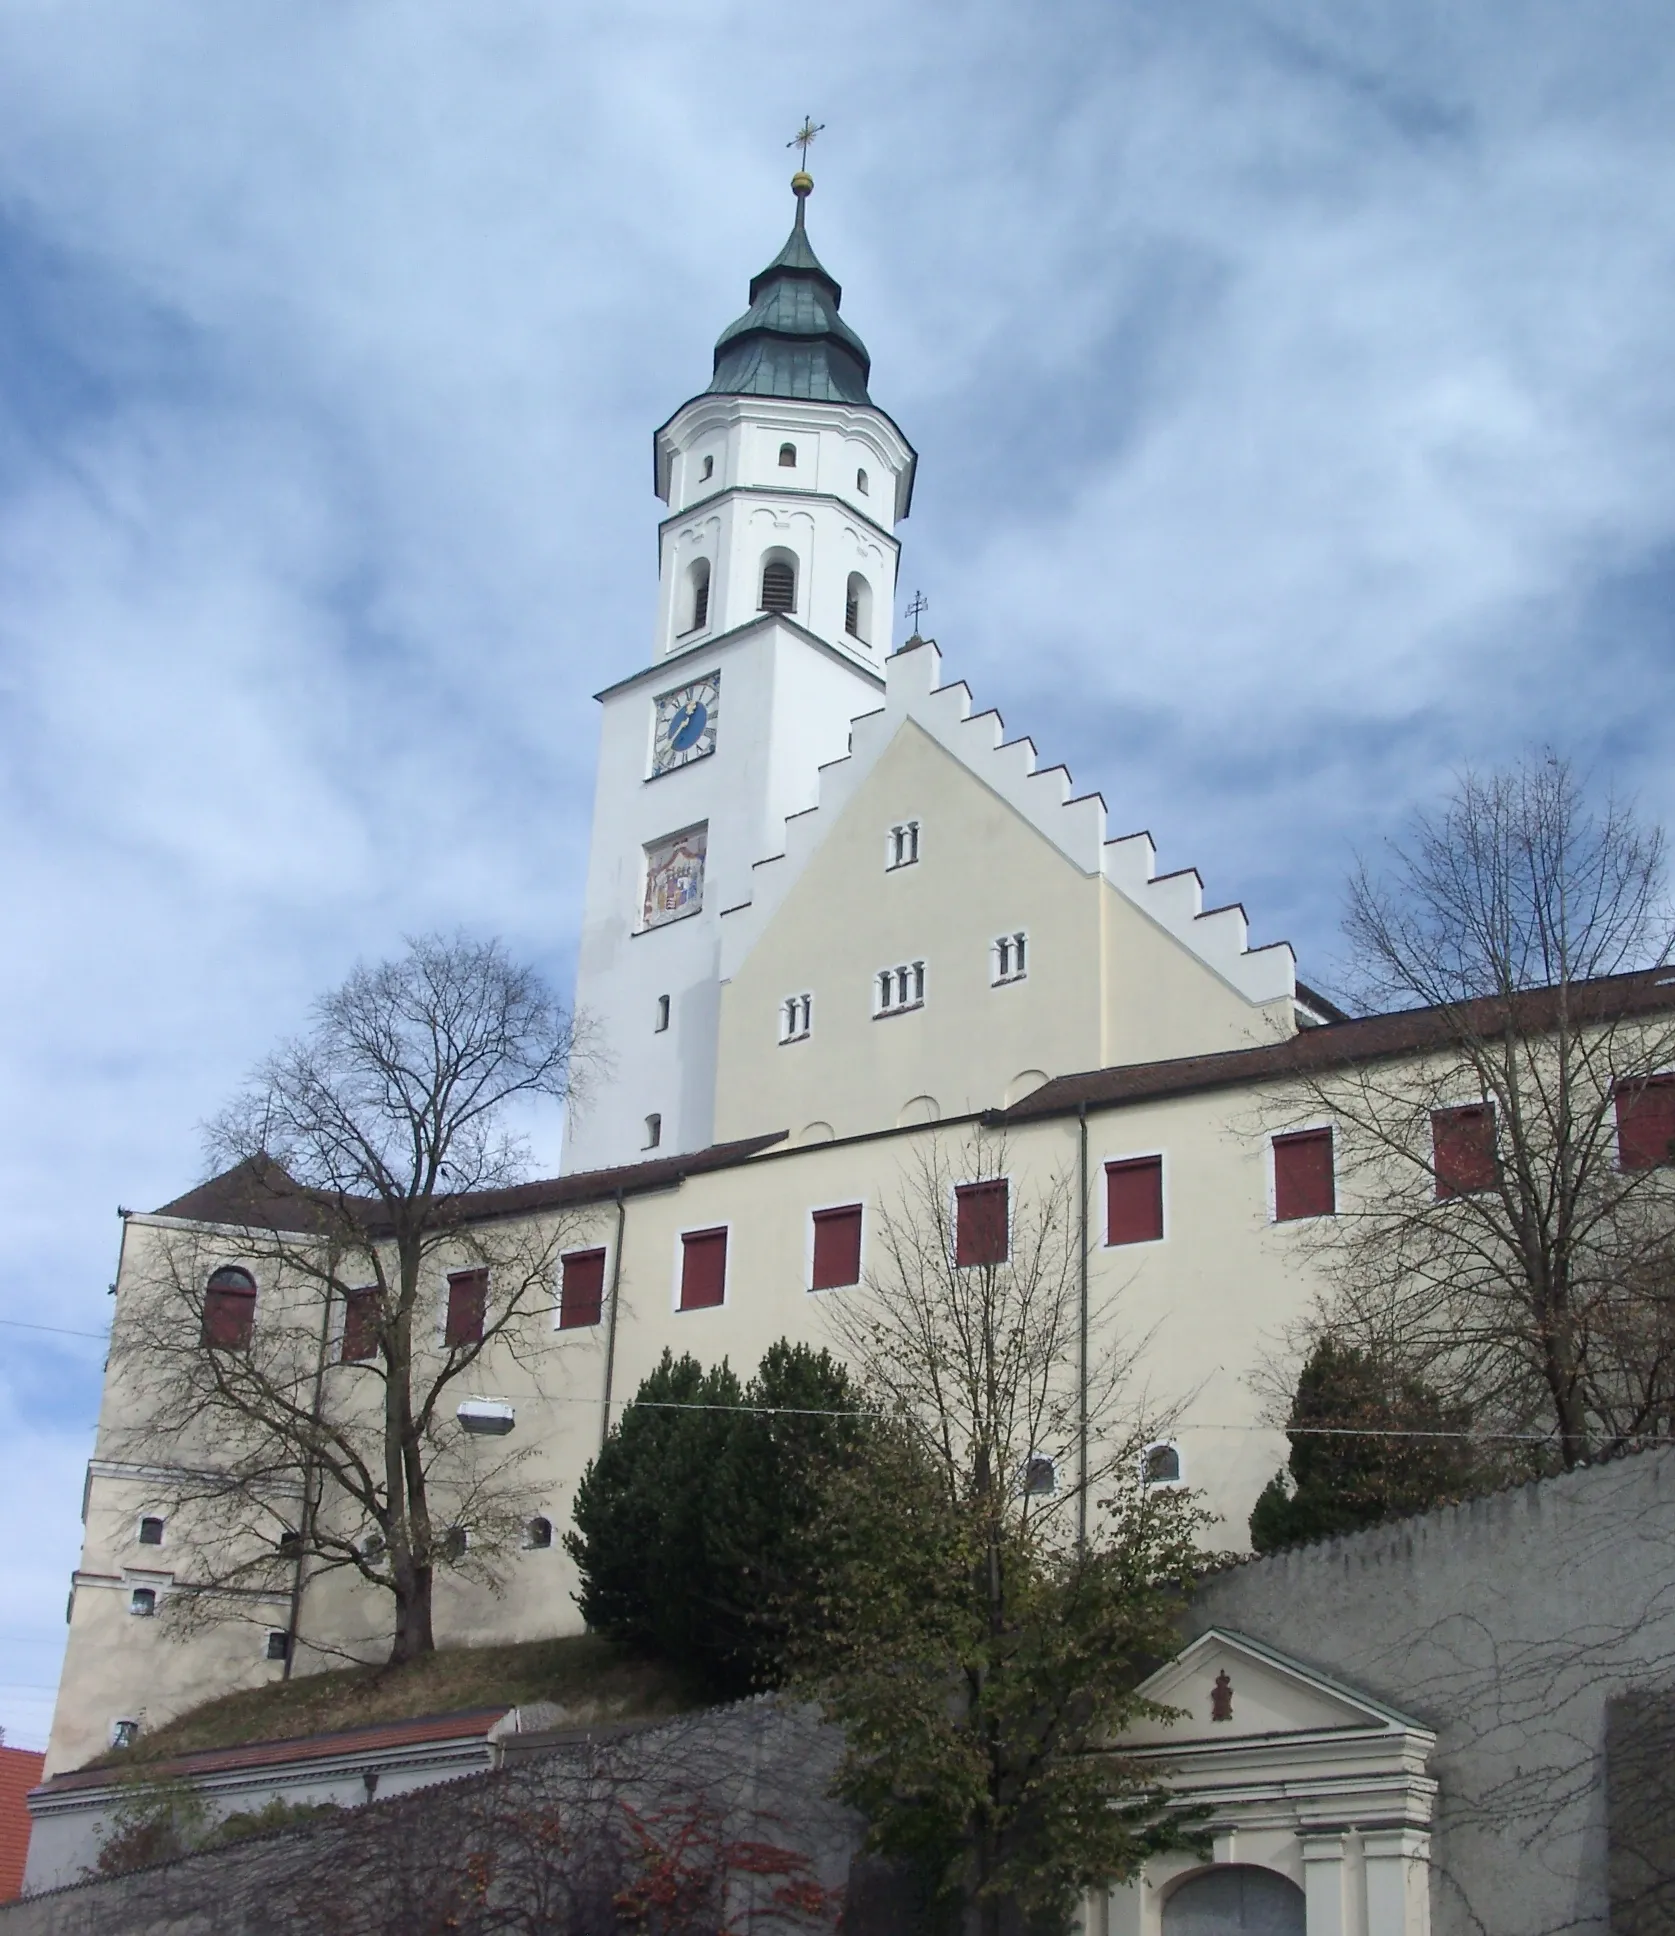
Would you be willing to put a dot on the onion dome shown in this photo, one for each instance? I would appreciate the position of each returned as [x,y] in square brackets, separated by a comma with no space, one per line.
[791,342]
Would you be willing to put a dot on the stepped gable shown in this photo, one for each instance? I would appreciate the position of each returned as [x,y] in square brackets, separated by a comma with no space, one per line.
[1074,823]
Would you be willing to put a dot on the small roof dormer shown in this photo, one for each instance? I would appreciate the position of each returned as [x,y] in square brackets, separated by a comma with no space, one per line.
[791,342]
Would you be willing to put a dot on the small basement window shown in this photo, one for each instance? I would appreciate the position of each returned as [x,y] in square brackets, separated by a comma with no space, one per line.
[788,457]
[796,1018]
[143,1601]
[279,1645]
[151,1530]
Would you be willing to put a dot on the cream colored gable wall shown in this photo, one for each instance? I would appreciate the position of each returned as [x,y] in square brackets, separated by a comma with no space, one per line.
[1106,983]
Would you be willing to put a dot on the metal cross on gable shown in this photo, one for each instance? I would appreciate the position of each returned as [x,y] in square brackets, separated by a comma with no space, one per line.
[804,135]
[917,606]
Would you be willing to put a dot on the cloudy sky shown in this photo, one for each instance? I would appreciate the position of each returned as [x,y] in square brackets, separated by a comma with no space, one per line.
[1295,404]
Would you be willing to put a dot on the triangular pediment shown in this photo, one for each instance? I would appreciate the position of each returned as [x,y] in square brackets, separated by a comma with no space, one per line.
[1230,1688]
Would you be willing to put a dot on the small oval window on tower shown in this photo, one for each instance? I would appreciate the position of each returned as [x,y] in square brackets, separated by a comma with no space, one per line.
[861,484]
[779,584]
[788,457]
[709,470]
[697,612]
[857,608]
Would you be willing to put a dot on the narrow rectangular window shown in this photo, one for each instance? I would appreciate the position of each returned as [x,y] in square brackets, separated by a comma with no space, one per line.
[662,1021]
[796,1017]
[1646,1123]
[1010,958]
[1463,1149]
[1134,1201]
[468,1297]
[654,1130]
[703,1269]
[837,1247]
[1303,1181]
[981,1235]
[902,848]
[581,1293]
[360,1324]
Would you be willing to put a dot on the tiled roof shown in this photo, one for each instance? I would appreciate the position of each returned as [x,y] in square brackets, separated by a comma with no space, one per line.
[20,1769]
[260,1195]
[471,1725]
[1317,1052]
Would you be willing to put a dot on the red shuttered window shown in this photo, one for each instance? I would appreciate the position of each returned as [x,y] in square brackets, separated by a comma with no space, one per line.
[980,1223]
[703,1269]
[1134,1201]
[1463,1149]
[837,1247]
[360,1324]
[229,1309]
[581,1294]
[1303,1182]
[468,1297]
[1646,1123]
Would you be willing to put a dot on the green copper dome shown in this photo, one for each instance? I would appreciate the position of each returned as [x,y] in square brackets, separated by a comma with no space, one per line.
[791,342]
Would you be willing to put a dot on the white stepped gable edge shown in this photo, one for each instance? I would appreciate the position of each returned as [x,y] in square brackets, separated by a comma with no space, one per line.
[1074,824]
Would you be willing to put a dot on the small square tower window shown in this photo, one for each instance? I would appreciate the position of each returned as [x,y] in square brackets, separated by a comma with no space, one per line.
[151,1530]
[1009,958]
[788,457]
[796,1018]
[279,1645]
[124,1734]
[143,1601]
[901,849]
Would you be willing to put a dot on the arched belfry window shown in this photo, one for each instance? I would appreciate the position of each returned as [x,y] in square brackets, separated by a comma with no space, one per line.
[788,457]
[779,582]
[696,614]
[857,608]
[861,484]
[229,1308]
[709,470]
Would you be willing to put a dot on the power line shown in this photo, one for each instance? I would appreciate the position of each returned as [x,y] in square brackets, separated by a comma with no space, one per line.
[58,1330]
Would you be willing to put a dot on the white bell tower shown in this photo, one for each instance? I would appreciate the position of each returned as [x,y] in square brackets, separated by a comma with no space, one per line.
[777,586]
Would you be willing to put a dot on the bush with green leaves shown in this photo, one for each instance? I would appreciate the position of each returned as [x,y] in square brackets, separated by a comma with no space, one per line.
[692,1527]
[1367,1444]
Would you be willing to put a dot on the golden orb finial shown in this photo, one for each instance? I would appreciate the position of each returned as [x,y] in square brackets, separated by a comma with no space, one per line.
[802,184]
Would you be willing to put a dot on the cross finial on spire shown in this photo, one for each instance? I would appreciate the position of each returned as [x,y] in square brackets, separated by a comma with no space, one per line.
[804,135]
[917,606]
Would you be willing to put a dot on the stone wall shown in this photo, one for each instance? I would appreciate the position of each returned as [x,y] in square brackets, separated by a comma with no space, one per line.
[1507,1625]
[724,1815]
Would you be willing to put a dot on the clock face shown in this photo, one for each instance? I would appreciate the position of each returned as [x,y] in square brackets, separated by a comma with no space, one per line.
[684,728]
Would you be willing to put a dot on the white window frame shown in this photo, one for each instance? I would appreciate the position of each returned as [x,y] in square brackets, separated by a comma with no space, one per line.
[810,1213]
[882,1009]
[1145,1156]
[1000,975]
[909,829]
[788,1011]
[696,1230]
[1179,1482]
[162,1520]
[1280,1136]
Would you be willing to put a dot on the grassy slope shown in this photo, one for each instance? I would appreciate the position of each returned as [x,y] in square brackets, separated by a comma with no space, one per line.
[585,1676]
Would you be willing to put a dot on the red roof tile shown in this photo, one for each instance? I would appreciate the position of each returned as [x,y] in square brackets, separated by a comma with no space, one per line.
[20,1769]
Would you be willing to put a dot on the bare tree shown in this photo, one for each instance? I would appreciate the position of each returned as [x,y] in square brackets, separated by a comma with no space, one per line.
[1505,1223]
[314,1432]
[980,1635]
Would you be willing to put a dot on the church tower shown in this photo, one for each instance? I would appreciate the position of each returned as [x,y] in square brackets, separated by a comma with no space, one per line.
[777,582]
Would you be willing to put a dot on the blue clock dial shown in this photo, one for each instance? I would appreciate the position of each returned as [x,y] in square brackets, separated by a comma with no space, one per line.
[683,727]
[687,726]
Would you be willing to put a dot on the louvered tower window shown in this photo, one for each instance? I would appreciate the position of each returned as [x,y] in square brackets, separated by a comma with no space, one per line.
[779,586]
